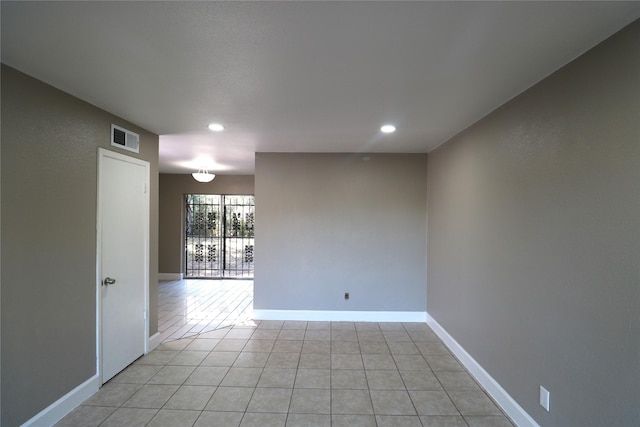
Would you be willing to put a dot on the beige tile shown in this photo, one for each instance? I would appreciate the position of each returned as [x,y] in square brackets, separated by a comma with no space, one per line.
[474,403]
[157,357]
[113,394]
[174,345]
[444,363]
[287,346]
[384,380]
[130,417]
[217,334]
[402,347]
[345,347]
[275,400]
[433,403]
[432,349]
[227,344]
[396,336]
[379,361]
[193,398]
[374,336]
[291,334]
[343,326]
[172,375]
[151,396]
[251,360]
[319,326]
[313,378]
[317,347]
[423,336]
[265,334]
[136,374]
[488,421]
[259,345]
[219,419]
[189,358]
[341,335]
[174,418]
[308,420]
[374,347]
[353,421]
[283,360]
[202,344]
[398,421]
[410,362]
[233,399]
[392,402]
[263,420]
[351,402]
[415,326]
[271,324]
[456,380]
[354,379]
[295,324]
[420,380]
[85,416]
[242,377]
[315,361]
[391,326]
[276,377]
[346,361]
[207,375]
[220,358]
[317,335]
[310,401]
[239,333]
[367,326]
[443,421]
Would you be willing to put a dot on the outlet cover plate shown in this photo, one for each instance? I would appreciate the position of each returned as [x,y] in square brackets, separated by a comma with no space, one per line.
[544,398]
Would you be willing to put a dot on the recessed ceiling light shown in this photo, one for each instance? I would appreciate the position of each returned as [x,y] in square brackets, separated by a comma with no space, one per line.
[216,127]
[388,129]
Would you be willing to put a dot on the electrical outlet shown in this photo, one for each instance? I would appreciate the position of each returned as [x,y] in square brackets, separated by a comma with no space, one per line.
[346,295]
[544,398]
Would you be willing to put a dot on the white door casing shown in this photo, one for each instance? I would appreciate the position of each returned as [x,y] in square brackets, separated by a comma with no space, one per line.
[122,257]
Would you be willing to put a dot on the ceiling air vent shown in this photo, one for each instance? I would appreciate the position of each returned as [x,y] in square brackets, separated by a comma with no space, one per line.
[125,139]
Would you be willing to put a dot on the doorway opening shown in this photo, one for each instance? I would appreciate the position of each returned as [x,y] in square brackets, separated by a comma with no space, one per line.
[219,236]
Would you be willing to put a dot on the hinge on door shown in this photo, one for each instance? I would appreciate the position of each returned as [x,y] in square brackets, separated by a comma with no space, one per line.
[144,314]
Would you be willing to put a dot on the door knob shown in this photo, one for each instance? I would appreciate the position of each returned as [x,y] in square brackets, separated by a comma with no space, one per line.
[108,281]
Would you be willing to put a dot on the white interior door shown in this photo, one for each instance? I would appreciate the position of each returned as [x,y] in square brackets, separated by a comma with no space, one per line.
[123,248]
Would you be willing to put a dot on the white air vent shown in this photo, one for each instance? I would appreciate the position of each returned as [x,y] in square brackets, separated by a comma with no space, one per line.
[125,139]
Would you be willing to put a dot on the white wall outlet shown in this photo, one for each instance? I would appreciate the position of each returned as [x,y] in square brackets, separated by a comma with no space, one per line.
[544,398]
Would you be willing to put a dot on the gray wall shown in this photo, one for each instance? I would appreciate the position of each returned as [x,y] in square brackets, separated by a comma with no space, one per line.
[49,192]
[172,191]
[330,223]
[534,237]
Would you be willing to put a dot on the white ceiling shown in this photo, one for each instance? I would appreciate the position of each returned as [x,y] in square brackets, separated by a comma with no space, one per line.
[299,76]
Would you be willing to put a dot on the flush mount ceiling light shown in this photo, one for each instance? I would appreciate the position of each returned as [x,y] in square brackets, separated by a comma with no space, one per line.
[203,176]
[388,129]
[216,127]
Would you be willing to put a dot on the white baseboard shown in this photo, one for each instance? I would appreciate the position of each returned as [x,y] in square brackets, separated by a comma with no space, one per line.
[67,403]
[518,415]
[170,276]
[341,316]
[154,341]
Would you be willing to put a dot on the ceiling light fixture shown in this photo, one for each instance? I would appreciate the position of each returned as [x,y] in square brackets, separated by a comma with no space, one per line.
[216,127]
[388,129]
[203,176]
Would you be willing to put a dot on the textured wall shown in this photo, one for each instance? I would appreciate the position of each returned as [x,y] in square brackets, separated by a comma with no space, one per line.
[330,223]
[172,191]
[49,193]
[534,238]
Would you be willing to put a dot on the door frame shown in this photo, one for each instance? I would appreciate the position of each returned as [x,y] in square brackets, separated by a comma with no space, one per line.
[102,154]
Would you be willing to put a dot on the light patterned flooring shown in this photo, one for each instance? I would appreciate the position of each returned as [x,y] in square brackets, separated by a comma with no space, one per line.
[288,373]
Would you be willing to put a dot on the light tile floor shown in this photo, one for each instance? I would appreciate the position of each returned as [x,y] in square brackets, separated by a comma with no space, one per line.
[291,373]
